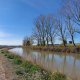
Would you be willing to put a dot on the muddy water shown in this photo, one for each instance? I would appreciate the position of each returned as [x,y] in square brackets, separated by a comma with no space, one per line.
[68,64]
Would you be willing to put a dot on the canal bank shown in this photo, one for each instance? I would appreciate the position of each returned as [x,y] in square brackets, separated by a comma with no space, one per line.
[26,70]
[67,49]
[68,64]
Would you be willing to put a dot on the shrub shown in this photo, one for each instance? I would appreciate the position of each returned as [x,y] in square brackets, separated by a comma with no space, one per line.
[27,66]
[19,71]
[2,51]
[58,76]
[34,69]
[10,56]
[5,54]
[17,61]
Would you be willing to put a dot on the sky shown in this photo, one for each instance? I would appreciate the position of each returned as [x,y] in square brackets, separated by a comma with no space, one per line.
[17,18]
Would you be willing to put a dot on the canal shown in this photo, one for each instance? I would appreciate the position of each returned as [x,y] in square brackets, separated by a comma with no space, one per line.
[68,64]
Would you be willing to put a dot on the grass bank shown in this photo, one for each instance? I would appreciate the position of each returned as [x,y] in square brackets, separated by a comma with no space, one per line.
[58,48]
[25,70]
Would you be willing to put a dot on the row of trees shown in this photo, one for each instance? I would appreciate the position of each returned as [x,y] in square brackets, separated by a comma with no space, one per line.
[44,31]
[64,26]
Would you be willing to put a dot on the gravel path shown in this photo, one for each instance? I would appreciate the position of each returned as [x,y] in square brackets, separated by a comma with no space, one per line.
[6,69]
[2,71]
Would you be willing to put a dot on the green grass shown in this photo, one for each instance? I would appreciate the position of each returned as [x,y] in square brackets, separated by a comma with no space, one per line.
[15,58]
[58,76]
[27,71]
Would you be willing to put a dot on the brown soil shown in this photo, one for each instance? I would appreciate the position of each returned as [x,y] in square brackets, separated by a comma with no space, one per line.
[6,70]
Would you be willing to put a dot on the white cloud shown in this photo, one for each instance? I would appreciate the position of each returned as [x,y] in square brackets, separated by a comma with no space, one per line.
[10,42]
[5,39]
[4,34]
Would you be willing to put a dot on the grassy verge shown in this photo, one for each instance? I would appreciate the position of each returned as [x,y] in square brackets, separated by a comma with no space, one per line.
[27,71]
[58,48]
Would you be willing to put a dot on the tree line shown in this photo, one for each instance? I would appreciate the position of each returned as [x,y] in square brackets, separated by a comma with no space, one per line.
[64,26]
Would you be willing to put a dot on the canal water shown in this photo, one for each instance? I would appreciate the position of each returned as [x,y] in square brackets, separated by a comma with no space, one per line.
[68,64]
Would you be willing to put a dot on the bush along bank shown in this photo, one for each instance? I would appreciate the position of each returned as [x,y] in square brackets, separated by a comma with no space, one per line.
[68,49]
[25,70]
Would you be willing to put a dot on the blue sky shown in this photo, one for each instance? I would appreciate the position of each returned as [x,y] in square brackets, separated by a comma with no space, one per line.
[17,18]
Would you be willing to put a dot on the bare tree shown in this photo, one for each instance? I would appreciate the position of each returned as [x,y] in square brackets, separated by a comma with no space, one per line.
[36,37]
[71,8]
[27,41]
[61,31]
[75,10]
[71,29]
[47,33]
[44,30]
[71,12]
[39,32]
[42,24]
[50,29]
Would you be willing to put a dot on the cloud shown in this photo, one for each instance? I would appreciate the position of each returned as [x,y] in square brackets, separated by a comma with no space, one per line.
[4,34]
[7,39]
[11,42]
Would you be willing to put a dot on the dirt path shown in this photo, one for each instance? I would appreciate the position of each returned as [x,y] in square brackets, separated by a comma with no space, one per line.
[2,71]
[5,69]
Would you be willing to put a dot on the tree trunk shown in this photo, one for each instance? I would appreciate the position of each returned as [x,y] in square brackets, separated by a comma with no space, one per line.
[43,42]
[52,41]
[64,43]
[47,40]
[63,40]
[38,42]
[73,41]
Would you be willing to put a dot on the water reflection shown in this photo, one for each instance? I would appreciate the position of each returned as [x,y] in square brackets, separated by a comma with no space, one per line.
[68,64]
